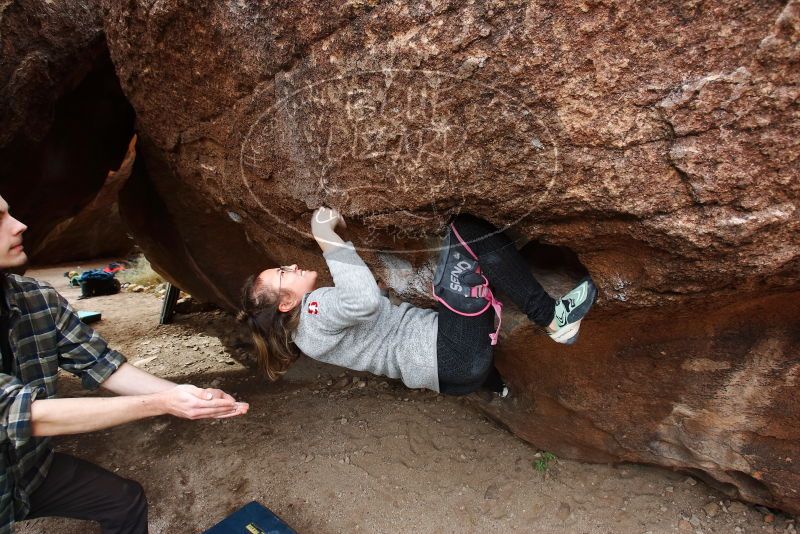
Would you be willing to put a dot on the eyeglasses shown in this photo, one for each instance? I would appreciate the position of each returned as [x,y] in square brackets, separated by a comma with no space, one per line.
[284,269]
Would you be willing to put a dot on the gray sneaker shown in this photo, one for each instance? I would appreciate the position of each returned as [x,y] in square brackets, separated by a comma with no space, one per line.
[571,309]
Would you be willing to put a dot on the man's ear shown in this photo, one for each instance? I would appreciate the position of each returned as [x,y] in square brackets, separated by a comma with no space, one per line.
[287,303]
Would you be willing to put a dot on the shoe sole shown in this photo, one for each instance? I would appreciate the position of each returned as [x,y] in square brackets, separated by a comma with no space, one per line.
[566,335]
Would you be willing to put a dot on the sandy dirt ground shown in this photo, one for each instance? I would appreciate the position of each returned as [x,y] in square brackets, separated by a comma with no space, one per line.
[333,451]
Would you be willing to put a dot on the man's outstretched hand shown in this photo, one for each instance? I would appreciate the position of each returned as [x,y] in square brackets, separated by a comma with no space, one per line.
[54,417]
[191,402]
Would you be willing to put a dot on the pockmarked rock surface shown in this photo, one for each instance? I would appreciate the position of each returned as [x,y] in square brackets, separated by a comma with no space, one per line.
[655,145]
[659,143]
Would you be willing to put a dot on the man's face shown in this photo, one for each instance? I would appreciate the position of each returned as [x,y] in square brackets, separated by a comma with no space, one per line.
[12,254]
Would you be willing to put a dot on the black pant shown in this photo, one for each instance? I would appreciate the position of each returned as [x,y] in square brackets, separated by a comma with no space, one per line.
[464,350]
[82,490]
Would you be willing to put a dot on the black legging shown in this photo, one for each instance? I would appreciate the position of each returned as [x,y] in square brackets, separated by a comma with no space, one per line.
[464,350]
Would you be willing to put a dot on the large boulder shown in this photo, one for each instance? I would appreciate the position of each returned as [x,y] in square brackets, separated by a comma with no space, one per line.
[654,144]
[64,123]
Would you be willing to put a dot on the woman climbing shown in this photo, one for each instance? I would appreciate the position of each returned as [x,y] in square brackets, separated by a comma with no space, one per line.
[352,325]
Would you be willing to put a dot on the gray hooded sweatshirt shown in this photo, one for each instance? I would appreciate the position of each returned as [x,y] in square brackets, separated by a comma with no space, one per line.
[352,325]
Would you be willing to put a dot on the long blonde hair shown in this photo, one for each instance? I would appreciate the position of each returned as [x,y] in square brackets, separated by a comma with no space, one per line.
[271,328]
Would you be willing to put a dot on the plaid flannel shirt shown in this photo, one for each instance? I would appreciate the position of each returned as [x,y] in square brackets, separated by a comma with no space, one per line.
[45,335]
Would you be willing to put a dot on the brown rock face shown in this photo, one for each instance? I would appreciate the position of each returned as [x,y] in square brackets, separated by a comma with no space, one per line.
[64,122]
[717,393]
[657,141]
[97,230]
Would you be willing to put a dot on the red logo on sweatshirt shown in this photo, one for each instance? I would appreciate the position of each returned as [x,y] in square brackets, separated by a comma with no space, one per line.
[313,307]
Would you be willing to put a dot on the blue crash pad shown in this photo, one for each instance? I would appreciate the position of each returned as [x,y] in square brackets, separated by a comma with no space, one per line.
[252,518]
[89,317]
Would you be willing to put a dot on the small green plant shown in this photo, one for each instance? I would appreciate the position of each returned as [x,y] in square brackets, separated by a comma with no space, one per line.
[543,462]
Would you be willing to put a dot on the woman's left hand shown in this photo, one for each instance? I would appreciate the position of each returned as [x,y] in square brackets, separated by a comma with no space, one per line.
[323,223]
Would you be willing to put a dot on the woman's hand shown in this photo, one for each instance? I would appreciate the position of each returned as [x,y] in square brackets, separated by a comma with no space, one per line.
[323,223]
[327,218]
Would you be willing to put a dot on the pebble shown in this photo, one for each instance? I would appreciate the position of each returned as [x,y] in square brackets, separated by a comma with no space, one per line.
[564,511]
[769,518]
[341,382]
[737,507]
[694,520]
[711,509]
[684,525]
[691,481]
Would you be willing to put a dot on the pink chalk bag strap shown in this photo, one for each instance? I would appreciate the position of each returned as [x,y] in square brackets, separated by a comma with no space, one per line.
[459,283]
